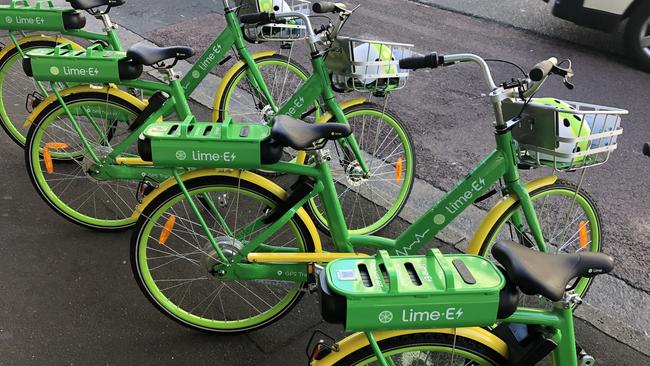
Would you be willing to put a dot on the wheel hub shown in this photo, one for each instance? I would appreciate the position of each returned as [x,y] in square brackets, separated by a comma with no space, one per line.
[229,247]
[87,162]
[355,174]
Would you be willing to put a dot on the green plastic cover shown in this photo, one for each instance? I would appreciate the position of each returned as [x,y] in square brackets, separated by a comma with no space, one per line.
[416,292]
[207,144]
[63,63]
[28,18]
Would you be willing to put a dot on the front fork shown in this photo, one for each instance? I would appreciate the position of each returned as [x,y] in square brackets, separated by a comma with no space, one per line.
[530,215]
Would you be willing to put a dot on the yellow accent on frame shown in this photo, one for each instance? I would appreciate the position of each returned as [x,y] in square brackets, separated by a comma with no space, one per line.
[300,257]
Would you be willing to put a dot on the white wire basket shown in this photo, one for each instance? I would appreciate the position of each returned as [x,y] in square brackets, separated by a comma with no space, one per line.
[292,30]
[564,135]
[363,65]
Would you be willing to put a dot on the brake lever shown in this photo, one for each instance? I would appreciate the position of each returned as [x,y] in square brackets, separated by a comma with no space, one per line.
[565,73]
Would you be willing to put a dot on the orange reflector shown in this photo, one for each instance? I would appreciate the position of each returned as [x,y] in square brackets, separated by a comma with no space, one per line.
[583,234]
[47,157]
[398,170]
[167,230]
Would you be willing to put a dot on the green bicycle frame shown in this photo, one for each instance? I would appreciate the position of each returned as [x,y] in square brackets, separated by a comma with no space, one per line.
[501,163]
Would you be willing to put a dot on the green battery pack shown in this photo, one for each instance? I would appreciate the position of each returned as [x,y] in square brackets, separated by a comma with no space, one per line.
[411,292]
[42,16]
[92,65]
[209,145]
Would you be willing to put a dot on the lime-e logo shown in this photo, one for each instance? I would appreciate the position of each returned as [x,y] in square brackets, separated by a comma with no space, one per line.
[8,20]
[385,317]
[411,315]
[181,155]
[477,186]
[54,70]
[203,156]
[27,20]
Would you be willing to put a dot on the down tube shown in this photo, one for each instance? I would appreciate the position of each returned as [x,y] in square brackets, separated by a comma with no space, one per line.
[452,204]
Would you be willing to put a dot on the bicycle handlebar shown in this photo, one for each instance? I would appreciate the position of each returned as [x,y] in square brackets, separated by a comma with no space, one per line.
[542,69]
[431,60]
[328,7]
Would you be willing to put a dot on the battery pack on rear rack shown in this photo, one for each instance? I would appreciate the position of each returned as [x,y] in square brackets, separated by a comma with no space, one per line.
[412,292]
[93,65]
[210,145]
[19,15]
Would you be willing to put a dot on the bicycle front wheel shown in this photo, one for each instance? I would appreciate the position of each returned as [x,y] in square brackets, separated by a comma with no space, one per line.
[241,98]
[370,201]
[177,273]
[62,176]
[426,349]
[569,220]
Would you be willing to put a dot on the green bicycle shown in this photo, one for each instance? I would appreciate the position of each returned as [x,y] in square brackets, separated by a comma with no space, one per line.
[426,310]
[224,250]
[81,153]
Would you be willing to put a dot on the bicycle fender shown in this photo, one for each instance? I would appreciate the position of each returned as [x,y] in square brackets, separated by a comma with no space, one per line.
[240,174]
[10,46]
[359,340]
[82,89]
[229,75]
[499,209]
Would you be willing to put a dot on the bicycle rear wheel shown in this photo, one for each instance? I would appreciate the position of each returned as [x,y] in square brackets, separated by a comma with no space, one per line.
[426,349]
[63,180]
[176,274]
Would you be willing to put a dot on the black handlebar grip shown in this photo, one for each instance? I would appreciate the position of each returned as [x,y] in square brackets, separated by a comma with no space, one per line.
[257,18]
[542,69]
[431,60]
[646,149]
[324,7]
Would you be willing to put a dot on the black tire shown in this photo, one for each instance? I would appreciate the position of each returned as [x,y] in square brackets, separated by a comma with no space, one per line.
[638,27]
[441,340]
[9,55]
[199,183]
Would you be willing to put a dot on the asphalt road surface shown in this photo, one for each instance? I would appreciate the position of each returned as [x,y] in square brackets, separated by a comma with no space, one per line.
[68,296]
